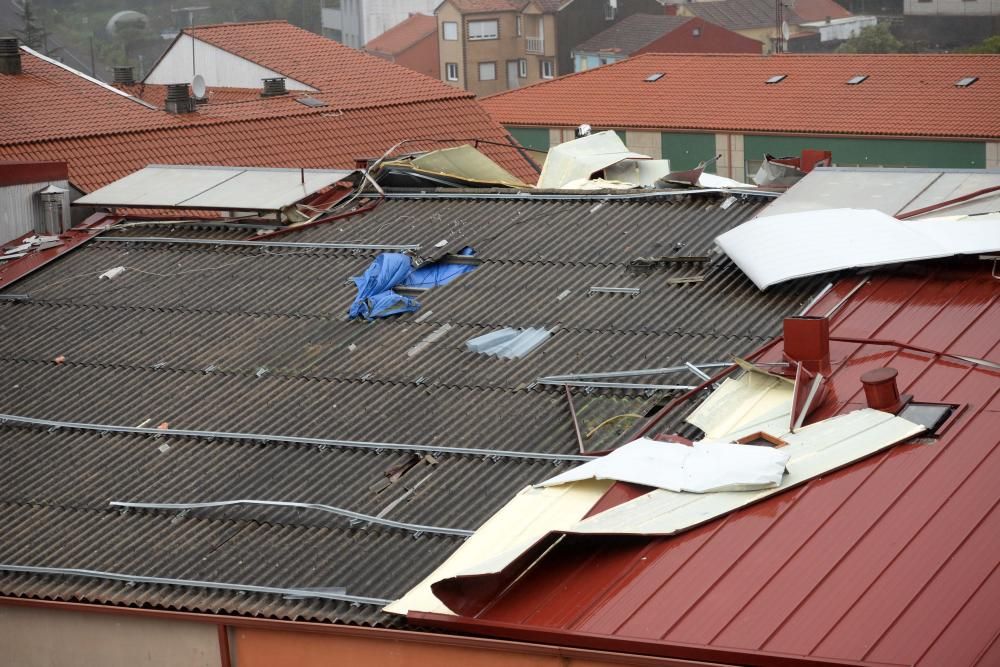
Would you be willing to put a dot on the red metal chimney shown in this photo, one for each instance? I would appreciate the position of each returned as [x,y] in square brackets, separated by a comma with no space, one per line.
[881,391]
[807,339]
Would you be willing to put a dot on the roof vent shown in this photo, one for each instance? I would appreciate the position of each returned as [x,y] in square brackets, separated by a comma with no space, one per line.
[881,391]
[179,98]
[655,76]
[124,75]
[274,87]
[777,78]
[10,56]
[856,79]
[966,81]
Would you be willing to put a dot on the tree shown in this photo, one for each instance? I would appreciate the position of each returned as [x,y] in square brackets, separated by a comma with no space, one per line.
[872,39]
[988,45]
[32,33]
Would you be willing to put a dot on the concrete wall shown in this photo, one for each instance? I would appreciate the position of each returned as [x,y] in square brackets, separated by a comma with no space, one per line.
[993,155]
[450,51]
[732,162]
[189,56]
[31,637]
[647,143]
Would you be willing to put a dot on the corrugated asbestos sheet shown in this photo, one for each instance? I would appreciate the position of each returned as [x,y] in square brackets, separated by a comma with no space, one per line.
[255,340]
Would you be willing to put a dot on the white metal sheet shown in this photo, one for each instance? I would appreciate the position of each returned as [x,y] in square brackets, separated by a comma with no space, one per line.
[582,157]
[777,248]
[707,467]
[737,403]
[814,450]
[227,188]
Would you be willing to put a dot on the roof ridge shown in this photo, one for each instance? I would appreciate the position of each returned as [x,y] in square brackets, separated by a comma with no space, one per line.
[227,24]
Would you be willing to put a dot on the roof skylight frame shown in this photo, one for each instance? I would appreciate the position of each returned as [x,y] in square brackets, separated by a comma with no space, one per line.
[857,79]
[655,76]
[966,81]
[777,78]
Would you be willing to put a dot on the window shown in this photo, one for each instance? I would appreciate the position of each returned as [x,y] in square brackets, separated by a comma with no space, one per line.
[517,24]
[487,71]
[451,71]
[655,76]
[334,34]
[547,70]
[449,31]
[966,81]
[855,80]
[931,416]
[777,78]
[522,68]
[483,29]
[610,9]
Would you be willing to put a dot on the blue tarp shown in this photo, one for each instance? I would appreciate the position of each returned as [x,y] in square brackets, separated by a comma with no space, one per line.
[375,295]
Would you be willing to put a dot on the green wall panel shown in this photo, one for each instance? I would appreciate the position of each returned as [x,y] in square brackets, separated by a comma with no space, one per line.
[685,150]
[532,137]
[872,152]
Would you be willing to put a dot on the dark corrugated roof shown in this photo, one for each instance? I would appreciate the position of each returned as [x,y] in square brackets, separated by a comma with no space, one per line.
[247,340]
[892,560]
[632,33]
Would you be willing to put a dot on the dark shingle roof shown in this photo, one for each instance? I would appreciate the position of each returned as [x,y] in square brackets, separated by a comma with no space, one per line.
[249,340]
[632,33]
[740,14]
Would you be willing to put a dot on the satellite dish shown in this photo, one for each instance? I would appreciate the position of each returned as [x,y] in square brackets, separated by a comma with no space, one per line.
[126,19]
[198,86]
[785,32]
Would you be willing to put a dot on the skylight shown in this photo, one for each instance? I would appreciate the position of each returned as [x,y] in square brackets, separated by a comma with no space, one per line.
[655,76]
[855,80]
[966,81]
[777,78]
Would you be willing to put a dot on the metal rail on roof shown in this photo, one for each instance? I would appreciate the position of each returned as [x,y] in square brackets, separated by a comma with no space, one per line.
[292,439]
[598,196]
[194,583]
[356,516]
[263,244]
[560,379]
[614,385]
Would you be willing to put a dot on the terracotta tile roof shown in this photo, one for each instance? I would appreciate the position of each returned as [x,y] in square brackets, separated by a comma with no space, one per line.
[819,10]
[632,33]
[156,94]
[740,14]
[348,78]
[404,35]
[905,95]
[104,135]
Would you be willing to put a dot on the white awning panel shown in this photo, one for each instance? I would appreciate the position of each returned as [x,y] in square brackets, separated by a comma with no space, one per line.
[226,188]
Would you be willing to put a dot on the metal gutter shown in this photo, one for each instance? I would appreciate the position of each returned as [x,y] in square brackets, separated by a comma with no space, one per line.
[193,583]
[354,516]
[587,640]
[291,439]
[262,244]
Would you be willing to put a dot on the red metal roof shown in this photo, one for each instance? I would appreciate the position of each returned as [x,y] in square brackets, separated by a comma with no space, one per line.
[60,115]
[904,95]
[892,560]
[402,36]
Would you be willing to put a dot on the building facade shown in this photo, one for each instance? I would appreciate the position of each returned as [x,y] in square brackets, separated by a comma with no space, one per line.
[356,22]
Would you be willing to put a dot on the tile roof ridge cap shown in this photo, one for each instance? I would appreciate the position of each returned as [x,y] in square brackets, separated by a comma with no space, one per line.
[231,24]
[568,76]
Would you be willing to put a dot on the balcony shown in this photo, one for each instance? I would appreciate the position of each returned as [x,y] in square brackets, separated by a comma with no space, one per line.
[534,45]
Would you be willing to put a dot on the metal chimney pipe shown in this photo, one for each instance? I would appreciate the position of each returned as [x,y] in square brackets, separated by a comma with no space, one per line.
[53,220]
[124,75]
[10,55]
[179,98]
[274,87]
[881,391]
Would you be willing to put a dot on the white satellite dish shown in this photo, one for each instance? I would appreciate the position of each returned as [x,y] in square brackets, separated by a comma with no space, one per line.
[198,86]
[785,32]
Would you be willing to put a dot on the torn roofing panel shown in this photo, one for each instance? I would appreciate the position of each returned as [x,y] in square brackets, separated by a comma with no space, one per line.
[581,158]
[777,248]
[463,164]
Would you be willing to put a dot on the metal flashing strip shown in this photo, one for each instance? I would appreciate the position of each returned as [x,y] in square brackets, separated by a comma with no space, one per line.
[614,385]
[292,439]
[629,291]
[561,379]
[354,516]
[194,583]
[264,244]
[91,79]
[589,196]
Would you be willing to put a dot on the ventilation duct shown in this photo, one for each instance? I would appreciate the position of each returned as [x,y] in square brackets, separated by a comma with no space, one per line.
[124,75]
[179,98]
[10,56]
[274,87]
[54,211]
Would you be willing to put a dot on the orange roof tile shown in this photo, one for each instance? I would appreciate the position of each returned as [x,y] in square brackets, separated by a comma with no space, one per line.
[404,35]
[905,95]
[348,78]
[104,135]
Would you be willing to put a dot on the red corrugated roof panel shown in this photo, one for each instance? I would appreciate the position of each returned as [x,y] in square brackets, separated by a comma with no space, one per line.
[892,560]
[904,95]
